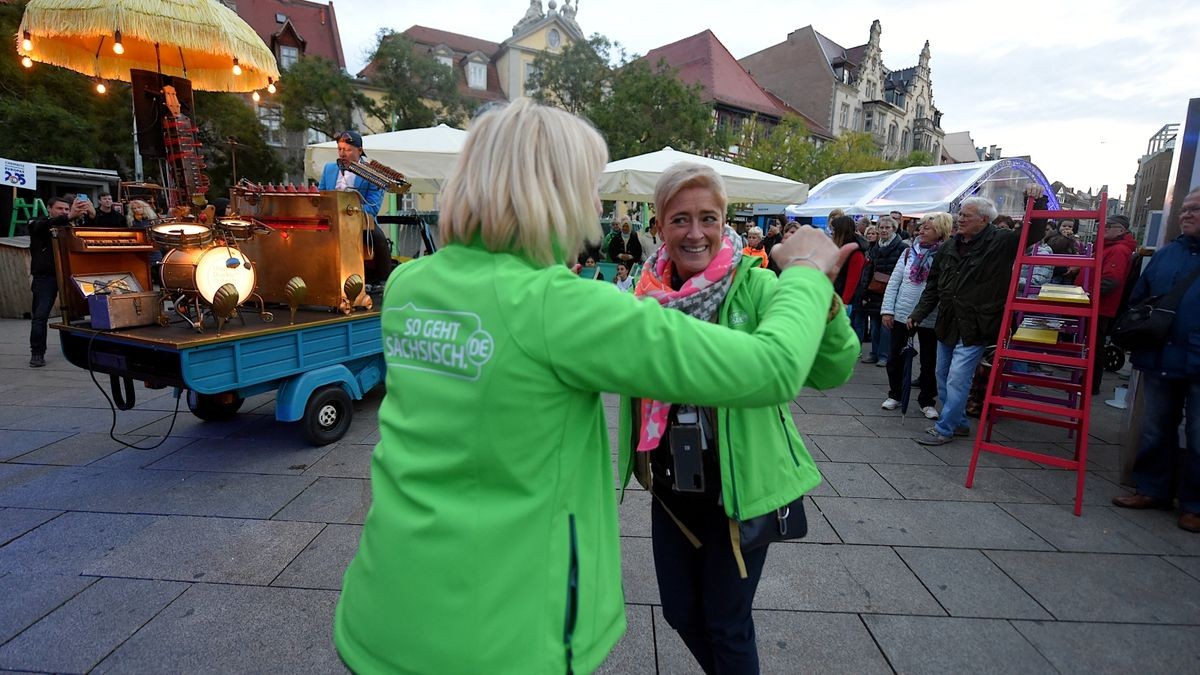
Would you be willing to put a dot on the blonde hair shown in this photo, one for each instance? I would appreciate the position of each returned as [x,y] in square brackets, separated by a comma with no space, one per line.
[683,175]
[526,182]
[871,229]
[941,221]
[147,212]
[754,229]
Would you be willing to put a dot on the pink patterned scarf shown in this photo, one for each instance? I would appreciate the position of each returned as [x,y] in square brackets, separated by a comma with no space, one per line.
[700,296]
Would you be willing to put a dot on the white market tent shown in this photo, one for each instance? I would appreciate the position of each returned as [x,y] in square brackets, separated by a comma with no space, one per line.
[918,190]
[426,157]
[633,179]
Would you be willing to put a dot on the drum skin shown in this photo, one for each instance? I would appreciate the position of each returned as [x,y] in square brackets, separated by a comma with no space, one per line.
[205,270]
[181,235]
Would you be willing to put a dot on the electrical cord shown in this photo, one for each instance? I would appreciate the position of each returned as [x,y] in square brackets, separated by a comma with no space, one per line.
[113,407]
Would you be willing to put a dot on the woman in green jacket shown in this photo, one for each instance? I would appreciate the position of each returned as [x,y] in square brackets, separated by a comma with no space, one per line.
[491,545]
[751,459]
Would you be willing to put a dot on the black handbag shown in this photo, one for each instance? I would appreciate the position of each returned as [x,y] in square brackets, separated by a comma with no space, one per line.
[1149,324]
[785,522]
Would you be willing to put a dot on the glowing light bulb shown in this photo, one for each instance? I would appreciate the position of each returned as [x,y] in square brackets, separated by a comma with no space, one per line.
[27,62]
[270,86]
[27,42]
[101,88]
[118,48]
[237,69]
[255,96]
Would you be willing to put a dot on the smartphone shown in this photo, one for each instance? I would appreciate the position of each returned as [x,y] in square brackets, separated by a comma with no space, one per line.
[82,197]
[686,450]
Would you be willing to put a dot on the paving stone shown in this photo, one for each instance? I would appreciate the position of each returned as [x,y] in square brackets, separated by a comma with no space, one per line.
[959,454]
[841,425]
[275,456]
[671,655]
[840,578]
[819,529]
[849,479]
[949,483]
[813,451]
[894,450]
[28,596]
[634,652]
[93,623]
[331,500]
[637,571]
[873,407]
[1189,564]
[633,513]
[166,492]
[83,449]
[856,388]
[918,644]
[1059,486]
[926,523]
[135,458]
[1099,530]
[826,405]
[187,425]
[243,629]
[324,561]
[968,584]
[344,460]
[16,443]
[1087,648]
[1104,587]
[83,420]
[13,476]
[214,550]
[16,522]
[1165,526]
[813,642]
[71,542]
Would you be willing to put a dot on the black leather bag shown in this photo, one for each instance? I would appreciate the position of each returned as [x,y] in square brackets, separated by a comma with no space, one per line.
[1149,324]
[785,522]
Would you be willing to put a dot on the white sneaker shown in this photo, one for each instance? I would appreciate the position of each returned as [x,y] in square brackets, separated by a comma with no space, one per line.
[890,404]
[931,412]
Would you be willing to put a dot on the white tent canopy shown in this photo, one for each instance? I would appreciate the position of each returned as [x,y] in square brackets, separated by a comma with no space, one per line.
[426,157]
[919,190]
[633,179]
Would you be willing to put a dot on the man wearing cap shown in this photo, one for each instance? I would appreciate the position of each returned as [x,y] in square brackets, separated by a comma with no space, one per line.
[337,177]
[1115,261]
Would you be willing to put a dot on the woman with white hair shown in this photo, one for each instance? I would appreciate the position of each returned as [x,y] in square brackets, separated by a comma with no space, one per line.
[754,245]
[491,545]
[756,467]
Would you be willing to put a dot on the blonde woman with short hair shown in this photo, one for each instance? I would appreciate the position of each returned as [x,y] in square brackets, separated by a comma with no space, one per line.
[491,545]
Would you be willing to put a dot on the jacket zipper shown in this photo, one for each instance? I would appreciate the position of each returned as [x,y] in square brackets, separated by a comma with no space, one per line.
[572,593]
[791,449]
[732,474]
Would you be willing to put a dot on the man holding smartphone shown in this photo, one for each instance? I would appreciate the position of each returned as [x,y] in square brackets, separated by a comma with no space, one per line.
[62,211]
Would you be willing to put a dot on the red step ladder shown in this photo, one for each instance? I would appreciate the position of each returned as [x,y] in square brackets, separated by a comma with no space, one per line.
[1058,331]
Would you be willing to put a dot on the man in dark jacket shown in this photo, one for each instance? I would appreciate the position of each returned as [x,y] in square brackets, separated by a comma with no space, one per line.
[968,285]
[1170,381]
[41,268]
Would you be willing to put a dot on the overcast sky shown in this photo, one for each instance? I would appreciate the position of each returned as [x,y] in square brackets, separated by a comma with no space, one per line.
[1080,85]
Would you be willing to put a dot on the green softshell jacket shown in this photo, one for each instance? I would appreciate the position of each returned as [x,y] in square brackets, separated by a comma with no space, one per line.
[764,464]
[491,544]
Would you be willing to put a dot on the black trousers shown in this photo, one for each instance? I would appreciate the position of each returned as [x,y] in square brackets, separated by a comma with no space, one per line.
[703,597]
[45,292]
[927,346]
[1098,356]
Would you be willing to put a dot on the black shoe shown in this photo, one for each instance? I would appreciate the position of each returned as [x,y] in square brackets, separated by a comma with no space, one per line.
[37,361]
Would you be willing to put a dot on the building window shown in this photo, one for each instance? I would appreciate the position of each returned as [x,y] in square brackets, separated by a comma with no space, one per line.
[937,156]
[904,140]
[288,56]
[312,135]
[446,61]
[529,73]
[857,118]
[870,91]
[845,117]
[867,121]
[281,18]
[477,76]
[408,202]
[553,38]
[920,111]
[271,118]
[892,134]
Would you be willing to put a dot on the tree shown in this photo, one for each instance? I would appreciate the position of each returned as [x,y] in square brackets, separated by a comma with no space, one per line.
[786,150]
[577,79]
[649,109]
[418,90]
[316,94]
[221,117]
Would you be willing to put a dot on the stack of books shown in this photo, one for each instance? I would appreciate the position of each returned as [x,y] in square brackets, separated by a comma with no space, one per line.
[1063,293]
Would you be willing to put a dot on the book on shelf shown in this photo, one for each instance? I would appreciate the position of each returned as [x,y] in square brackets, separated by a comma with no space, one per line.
[1045,336]
[1063,293]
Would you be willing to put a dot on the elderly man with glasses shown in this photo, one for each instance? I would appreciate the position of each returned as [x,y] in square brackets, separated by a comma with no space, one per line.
[967,284]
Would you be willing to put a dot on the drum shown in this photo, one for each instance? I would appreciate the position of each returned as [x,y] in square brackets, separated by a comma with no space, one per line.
[181,235]
[206,270]
[238,230]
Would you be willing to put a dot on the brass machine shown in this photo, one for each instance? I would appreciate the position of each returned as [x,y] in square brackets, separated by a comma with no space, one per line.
[323,237]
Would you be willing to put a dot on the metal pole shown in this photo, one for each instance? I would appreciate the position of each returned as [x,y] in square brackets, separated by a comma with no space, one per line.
[137,155]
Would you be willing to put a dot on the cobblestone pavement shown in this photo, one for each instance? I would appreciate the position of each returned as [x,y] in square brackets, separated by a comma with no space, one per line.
[222,549]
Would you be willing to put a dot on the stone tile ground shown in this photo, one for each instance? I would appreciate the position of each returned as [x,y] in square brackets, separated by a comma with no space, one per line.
[222,549]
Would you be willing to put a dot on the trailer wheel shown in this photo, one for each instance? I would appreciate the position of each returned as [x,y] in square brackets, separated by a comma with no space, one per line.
[327,415]
[214,407]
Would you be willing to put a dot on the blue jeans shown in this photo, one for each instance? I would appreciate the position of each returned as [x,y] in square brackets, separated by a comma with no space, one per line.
[955,371]
[881,338]
[45,292]
[858,321]
[1158,469]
